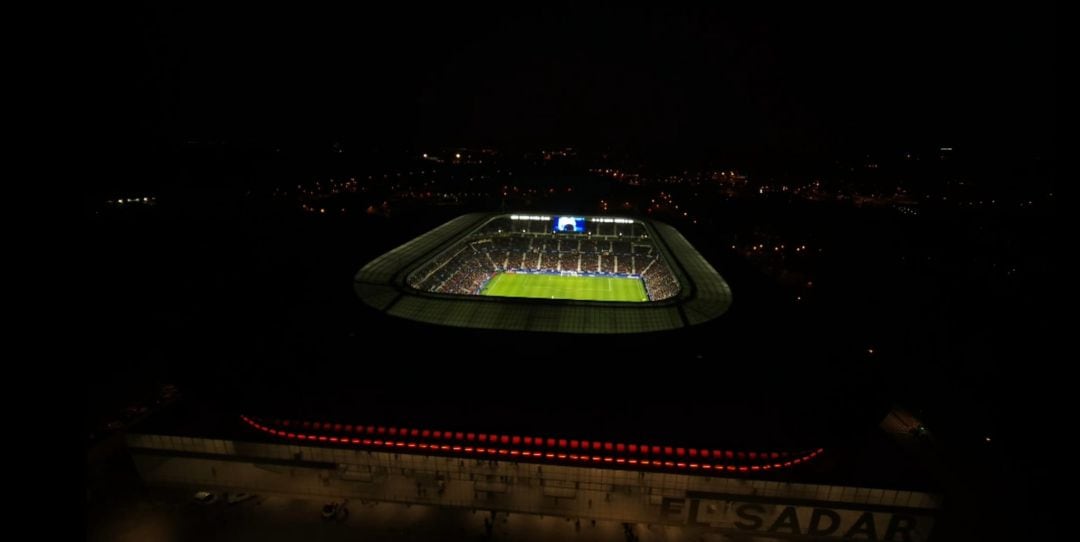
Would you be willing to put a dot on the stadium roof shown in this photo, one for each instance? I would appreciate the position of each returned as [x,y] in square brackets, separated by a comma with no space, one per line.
[381,284]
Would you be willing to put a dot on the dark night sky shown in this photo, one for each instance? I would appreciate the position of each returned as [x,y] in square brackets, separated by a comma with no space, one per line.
[705,80]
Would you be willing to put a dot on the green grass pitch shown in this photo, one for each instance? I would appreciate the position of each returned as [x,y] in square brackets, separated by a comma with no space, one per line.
[565,287]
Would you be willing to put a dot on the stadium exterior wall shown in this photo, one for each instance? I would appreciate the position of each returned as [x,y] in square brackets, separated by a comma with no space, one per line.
[709,505]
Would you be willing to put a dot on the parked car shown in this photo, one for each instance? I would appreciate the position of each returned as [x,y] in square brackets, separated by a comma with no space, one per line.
[335,510]
[233,498]
[205,497]
[330,510]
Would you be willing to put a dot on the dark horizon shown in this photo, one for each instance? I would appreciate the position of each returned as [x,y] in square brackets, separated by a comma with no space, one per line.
[686,83]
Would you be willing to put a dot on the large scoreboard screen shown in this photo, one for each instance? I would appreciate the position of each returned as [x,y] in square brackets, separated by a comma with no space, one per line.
[570,224]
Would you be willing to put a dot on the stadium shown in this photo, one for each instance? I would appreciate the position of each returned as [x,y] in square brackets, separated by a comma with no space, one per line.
[562,394]
[539,272]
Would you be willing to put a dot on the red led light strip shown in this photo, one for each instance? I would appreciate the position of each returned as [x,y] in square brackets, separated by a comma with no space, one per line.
[554,449]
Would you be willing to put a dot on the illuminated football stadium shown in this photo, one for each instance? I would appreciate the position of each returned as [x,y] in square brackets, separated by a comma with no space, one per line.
[575,274]
[727,441]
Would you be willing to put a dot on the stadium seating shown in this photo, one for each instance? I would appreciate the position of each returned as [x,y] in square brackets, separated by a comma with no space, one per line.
[503,246]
